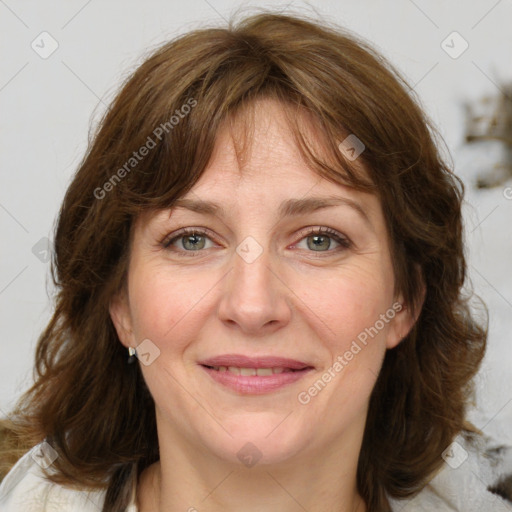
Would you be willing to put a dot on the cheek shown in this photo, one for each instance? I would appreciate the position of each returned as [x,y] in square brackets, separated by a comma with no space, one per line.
[164,304]
[343,304]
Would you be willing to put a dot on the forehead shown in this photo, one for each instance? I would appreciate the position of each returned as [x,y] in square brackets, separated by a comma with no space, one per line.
[257,160]
[256,163]
[260,140]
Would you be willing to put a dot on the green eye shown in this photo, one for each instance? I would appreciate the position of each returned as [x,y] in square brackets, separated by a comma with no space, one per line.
[189,240]
[318,242]
[322,240]
[193,242]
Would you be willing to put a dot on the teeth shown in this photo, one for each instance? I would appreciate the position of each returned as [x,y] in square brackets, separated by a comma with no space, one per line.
[260,372]
[251,372]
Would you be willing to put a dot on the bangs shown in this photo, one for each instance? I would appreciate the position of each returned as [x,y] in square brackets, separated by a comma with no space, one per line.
[175,117]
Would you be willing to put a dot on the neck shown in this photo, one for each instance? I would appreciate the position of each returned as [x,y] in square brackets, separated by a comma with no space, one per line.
[190,479]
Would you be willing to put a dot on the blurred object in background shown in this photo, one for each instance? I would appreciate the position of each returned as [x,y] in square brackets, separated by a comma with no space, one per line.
[489,132]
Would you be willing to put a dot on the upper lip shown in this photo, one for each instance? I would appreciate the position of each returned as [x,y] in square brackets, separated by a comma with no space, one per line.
[241,361]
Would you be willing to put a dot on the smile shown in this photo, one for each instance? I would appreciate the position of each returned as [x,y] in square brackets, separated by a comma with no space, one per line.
[254,375]
[260,372]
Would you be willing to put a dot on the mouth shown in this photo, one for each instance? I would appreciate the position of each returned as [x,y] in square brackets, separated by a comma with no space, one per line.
[254,375]
[246,372]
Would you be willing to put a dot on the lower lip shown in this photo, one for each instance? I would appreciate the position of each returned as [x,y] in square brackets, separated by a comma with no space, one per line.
[254,384]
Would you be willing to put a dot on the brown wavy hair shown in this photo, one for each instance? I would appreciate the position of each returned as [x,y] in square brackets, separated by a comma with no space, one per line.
[92,407]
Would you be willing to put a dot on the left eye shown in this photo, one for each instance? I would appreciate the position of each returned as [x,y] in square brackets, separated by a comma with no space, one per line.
[321,240]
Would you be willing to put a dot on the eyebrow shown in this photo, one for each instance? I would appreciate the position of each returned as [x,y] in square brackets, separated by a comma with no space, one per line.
[288,208]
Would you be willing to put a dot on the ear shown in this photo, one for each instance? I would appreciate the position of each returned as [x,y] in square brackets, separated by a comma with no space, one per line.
[404,320]
[120,314]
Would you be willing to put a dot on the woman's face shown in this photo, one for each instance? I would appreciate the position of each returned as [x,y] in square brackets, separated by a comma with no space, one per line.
[293,295]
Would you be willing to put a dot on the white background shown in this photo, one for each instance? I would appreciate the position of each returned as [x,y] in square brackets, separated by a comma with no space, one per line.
[47,106]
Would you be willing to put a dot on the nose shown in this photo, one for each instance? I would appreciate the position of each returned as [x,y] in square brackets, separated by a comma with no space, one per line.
[254,298]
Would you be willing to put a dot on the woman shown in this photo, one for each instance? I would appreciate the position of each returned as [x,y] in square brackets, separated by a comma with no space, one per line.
[260,264]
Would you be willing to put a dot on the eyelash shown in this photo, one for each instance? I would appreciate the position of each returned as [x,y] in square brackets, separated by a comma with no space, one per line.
[344,242]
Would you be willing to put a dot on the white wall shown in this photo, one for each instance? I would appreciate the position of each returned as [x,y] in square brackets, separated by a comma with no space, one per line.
[47,105]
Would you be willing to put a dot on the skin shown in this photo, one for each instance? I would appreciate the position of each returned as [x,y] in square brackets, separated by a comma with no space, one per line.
[291,301]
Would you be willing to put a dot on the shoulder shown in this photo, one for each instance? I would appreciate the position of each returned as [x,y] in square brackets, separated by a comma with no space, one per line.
[474,466]
[26,488]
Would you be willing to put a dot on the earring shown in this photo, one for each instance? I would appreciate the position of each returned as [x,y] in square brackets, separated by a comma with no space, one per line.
[132,354]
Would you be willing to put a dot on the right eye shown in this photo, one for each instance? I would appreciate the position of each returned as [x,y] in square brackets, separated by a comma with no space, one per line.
[191,240]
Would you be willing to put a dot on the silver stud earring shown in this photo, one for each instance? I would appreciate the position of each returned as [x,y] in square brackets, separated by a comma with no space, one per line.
[132,355]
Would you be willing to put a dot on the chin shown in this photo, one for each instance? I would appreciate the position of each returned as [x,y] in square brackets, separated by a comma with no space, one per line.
[262,438]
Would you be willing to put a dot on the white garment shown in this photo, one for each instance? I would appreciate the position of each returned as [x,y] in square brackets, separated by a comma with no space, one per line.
[25,489]
[461,486]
